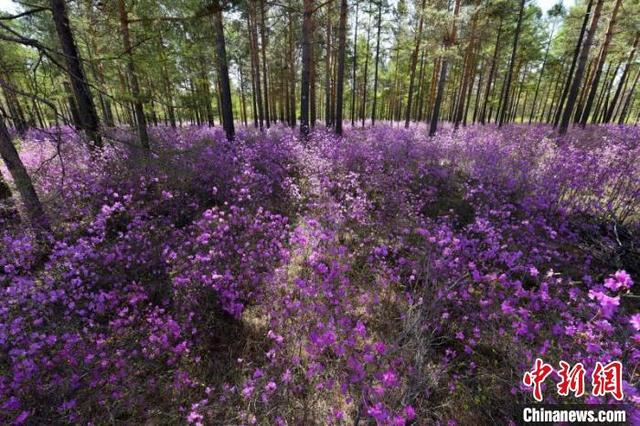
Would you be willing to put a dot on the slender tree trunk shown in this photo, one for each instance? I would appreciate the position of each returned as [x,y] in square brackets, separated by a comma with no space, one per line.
[507,86]
[312,75]
[449,41]
[601,61]
[375,78]
[327,73]
[478,93]
[263,38]
[625,108]
[342,35]
[355,68]
[623,78]
[86,108]
[141,120]
[365,77]
[306,68]
[422,88]
[414,62]
[544,64]
[226,105]
[576,54]
[583,93]
[556,93]
[492,70]
[468,69]
[253,33]
[582,61]
[292,74]
[242,96]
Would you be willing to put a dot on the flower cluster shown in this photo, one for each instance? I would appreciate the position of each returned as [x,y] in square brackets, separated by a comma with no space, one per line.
[384,276]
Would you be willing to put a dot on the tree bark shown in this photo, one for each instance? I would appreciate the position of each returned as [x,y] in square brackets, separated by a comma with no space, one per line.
[306,67]
[226,105]
[544,65]
[576,53]
[33,208]
[355,68]
[507,86]
[449,41]
[582,61]
[623,78]
[141,120]
[86,108]
[414,62]
[342,35]
[263,38]
[601,61]
[375,78]
[492,69]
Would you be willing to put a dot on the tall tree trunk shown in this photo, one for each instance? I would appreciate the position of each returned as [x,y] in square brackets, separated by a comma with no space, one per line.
[363,106]
[255,59]
[86,108]
[468,69]
[584,92]
[414,62]
[544,65]
[33,209]
[292,73]
[263,38]
[226,105]
[582,61]
[375,78]
[601,61]
[342,35]
[492,69]
[625,107]
[449,41]
[312,75]
[507,85]
[576,54]
[141,120]
[306,67]
[355,68]
[421,88]
[327,73]
[478,93]
[609,112]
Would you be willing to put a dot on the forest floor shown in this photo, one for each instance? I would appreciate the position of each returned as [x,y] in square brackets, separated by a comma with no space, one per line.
[383,277]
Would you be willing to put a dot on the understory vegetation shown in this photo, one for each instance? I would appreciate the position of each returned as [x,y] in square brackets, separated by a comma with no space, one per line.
[383,276]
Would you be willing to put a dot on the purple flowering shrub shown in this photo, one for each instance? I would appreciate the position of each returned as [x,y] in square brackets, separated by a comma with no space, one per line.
[381,277]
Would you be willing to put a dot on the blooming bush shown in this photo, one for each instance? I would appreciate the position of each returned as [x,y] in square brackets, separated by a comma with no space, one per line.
[384,276]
